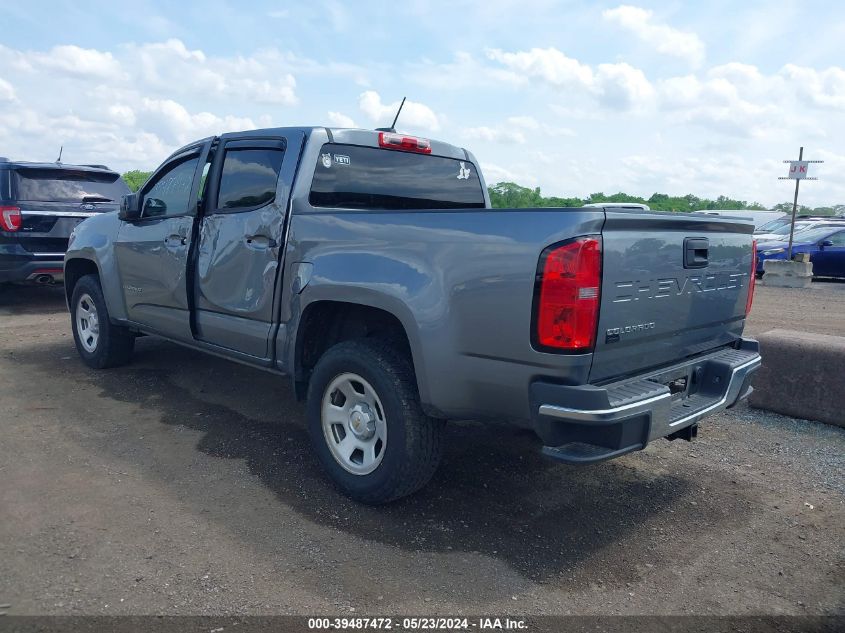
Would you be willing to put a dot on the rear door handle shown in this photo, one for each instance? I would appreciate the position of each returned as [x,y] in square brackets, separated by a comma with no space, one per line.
[261,241]
[696,252]
[175,240]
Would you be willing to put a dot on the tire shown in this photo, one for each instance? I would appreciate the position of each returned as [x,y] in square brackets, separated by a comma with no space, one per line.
[100,343]
[413,442]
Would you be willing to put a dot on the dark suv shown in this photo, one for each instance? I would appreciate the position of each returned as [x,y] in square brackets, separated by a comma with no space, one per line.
[40,204]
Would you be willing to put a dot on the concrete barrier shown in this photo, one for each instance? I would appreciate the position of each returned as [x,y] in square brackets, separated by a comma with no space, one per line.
[786,274]
[802,375]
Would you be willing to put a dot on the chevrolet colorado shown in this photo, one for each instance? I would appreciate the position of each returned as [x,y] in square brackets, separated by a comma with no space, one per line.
[369,267]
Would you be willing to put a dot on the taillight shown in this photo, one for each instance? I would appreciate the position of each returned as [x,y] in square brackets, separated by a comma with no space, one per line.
[404,143]
[568,292]
[753,280]
[10,219]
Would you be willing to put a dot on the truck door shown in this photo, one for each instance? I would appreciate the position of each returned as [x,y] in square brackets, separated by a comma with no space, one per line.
[152,252]
[241,240]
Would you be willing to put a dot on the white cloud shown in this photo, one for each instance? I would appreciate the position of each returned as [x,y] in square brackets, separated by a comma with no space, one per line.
[496,173]
[515,129]
[499,134]
[739,100]
[171,68]
[414,115]
[340,120]
[662,37]
[132,106]
[617,86]
[182,126]
[822,88]
[533,125]
[462,72]
[716,102]
[7,91]
[122,114]
[74,60]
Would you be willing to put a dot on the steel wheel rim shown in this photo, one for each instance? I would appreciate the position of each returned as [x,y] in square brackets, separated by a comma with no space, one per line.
[354,424]
[87,323]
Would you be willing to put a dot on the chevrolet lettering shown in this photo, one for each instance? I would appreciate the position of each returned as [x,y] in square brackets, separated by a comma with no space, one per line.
[670,286]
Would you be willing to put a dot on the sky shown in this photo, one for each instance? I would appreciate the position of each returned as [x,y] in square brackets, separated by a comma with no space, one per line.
[573,97]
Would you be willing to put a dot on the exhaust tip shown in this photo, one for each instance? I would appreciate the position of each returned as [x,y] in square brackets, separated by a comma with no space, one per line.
[44,279]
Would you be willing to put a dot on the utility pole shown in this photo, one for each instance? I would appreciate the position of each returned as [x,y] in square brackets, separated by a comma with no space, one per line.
[797,171]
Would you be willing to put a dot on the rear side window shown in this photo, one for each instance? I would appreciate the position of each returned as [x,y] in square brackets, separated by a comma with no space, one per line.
[350,176]
[65,185]
[249,178]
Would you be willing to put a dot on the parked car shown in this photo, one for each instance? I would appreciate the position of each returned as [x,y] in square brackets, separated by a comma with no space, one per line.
[617,205]
[370,269]
[782,232]
[825,244]
[759,218]
[40,204]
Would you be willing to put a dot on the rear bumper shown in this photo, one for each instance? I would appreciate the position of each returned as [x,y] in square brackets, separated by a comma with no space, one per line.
[587,424]
[19,265]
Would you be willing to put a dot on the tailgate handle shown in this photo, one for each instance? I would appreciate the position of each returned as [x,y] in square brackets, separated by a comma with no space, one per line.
[696,252]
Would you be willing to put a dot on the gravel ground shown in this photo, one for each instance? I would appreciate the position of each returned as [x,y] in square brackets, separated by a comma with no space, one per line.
[820,309]
[184,484]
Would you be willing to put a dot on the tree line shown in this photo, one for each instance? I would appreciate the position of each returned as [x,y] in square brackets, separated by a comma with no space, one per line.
[509,195]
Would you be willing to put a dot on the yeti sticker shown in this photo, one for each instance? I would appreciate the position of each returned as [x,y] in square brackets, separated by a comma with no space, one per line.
[463,172]
[326,160]
[340,159]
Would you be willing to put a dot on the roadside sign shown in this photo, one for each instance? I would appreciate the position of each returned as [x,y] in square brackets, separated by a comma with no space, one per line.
[797,172]
[798,169]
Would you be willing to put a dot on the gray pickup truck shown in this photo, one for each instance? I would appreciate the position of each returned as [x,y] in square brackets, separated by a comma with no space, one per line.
[369,267]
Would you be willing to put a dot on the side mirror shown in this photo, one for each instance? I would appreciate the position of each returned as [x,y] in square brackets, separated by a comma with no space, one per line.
[130,208]
[153,208]
[826,243]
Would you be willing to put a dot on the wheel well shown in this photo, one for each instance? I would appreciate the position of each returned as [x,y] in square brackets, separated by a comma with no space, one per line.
[326,323]
[75,269]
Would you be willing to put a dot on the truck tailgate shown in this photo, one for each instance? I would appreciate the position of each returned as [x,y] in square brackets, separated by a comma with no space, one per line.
[673,285]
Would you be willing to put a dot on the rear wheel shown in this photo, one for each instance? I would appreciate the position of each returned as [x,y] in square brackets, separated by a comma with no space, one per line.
[366,423]
[99,342]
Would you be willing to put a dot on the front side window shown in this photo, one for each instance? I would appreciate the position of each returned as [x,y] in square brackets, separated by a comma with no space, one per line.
[249,177]
[171,193]
[65,185]
[354,177]
[838,239]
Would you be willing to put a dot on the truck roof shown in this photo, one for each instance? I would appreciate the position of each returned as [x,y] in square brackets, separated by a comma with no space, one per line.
[344,136]
[6,164]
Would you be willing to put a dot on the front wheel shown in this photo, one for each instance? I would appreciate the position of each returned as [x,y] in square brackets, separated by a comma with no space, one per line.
[99,342]
[366,423]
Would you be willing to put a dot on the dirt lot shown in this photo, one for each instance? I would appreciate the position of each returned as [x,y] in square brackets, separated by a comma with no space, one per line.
[184,484]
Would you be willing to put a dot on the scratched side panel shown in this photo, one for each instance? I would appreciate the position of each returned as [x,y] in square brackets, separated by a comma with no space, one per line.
[654,310]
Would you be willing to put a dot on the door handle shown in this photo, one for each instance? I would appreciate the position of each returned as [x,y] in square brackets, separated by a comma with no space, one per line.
[696,252]
[260,241]
[175,240]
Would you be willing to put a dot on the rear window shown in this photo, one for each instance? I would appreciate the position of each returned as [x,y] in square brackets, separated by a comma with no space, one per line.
[64,185]
[349,176]
[249,177]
